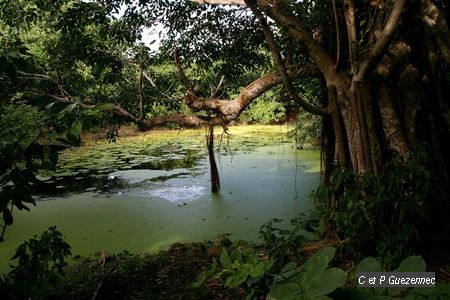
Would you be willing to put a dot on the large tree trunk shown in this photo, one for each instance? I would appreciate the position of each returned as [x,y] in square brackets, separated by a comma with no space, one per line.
[387,88]
[373,96]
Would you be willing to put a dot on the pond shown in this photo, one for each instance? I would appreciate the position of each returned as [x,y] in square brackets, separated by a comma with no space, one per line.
[146,192]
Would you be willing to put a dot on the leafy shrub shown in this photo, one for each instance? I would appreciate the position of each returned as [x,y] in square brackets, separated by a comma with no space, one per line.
[282,244]
[410,264]
[40,267]
[27,144]
[242,265]
[156,110]
[253,265]
[381,215]
[307,129]
[20,128]
[312,280]
[264,110]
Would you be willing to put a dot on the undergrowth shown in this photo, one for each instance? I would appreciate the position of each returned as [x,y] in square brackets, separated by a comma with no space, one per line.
[380,217]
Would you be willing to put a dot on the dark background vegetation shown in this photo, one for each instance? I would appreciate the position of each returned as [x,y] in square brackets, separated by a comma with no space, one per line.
[68,66]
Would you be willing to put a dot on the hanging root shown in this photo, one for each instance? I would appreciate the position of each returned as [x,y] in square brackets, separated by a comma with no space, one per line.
[215,180]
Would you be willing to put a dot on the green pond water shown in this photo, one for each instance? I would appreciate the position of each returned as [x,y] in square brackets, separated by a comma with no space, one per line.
[144,193]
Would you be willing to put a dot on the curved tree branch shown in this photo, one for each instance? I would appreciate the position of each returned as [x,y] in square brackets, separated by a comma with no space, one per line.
[433,18]
[185,120]
[183,78]
[225,110]
[218,88]
[282,14]
[382,43]
[281,67]
[231,109]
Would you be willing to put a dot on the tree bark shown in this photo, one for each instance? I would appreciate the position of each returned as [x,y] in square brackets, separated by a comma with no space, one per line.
[215,179]
[388,88]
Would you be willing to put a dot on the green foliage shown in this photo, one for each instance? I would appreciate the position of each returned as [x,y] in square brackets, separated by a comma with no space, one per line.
[264,110]
[384,214]
[28,138]
[156,110]
[210,33]
[19,130]
[40,267]
[242,265]
[27,144]
[313,280]
[283,244]
[307,129]
[409,264]
[253,265]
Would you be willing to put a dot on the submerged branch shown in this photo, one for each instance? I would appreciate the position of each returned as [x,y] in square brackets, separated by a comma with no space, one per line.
[215,179]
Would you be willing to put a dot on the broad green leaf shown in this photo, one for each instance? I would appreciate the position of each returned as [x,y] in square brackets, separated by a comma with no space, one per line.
[237,265]
[268,264]
[289,266]
[369,264]
[412,264]
[422,291]
[76,127]
[237,278]
[288,271]
[225,259]
[210,270]
[258,270]
[328,252]
[285,291]
[236,255]
[316,264]
[66,111]
[327,282]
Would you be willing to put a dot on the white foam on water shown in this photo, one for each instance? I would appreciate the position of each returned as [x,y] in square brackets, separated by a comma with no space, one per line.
[179,193]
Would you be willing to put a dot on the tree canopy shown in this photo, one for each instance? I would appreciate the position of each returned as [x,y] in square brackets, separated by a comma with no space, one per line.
[376,72]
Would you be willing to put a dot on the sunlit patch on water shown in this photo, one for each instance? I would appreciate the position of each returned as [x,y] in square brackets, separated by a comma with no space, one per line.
[128,194]
[179,194]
